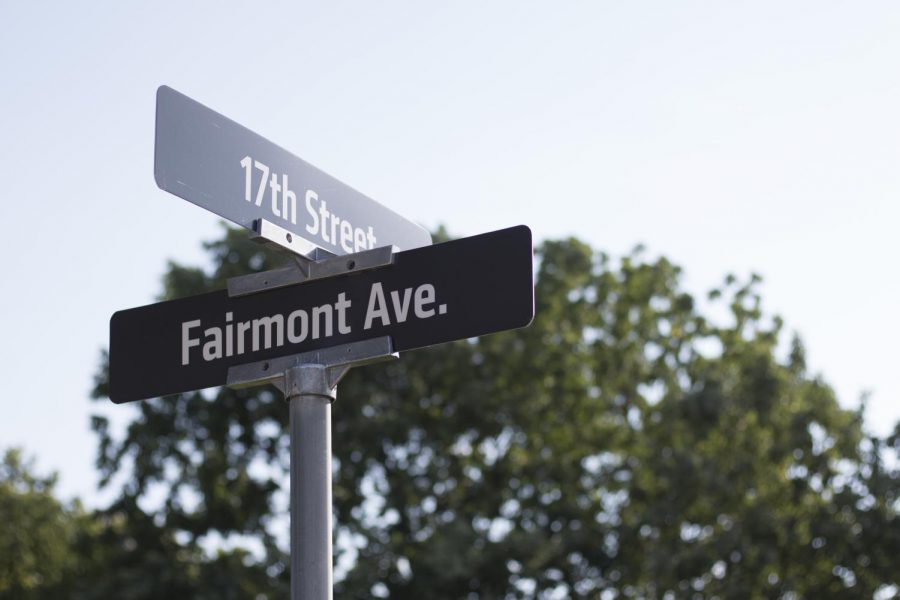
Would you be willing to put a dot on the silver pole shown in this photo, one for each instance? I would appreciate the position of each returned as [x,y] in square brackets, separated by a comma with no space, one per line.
[310,396]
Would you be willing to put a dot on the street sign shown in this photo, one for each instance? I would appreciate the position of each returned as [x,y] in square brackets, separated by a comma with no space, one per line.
[460,289]
[213,162]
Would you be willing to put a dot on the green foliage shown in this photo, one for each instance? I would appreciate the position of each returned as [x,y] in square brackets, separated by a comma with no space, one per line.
[122,553]
[52,551]
[34,528]
[623,442]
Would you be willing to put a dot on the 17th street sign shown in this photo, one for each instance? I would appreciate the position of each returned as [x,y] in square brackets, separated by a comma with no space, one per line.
[213,162]
[456,290]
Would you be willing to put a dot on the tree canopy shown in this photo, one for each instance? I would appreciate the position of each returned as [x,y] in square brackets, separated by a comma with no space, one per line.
[623,445]
[33,523]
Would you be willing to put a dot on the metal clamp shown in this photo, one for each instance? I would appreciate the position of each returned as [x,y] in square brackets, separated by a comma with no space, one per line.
[305,269]
[278,238]
[335,361]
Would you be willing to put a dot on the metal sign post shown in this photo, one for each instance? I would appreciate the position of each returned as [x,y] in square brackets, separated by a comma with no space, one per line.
[310,397]
[310,387]
[309,384]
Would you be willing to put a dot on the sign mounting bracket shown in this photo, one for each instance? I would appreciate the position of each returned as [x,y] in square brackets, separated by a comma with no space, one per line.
[282,240]
[305,269]
[337,360]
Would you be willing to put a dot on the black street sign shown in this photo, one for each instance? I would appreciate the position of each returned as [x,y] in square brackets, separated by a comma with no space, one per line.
[429,295]
[213,162]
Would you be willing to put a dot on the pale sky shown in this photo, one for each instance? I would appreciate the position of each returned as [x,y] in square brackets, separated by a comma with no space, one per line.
[730,137]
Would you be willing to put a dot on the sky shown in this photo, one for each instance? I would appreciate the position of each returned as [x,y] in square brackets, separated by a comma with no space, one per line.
[730,137]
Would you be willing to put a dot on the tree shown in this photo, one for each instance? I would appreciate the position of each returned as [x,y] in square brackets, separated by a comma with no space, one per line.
[34,530]
[622,443]
[52,550]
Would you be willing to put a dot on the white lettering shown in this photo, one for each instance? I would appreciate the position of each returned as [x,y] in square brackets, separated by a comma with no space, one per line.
[234,338]
[360,239]
[265,325]
[212,349]
[247,163]
[323,212]
[276,189]
[335,221]
[310,196]
[283,200]
[424,296]
[341,306]
[401,309]
[293,337]
[325,311]
[188,342]
[261,190]
[290,201]
[243,327]
[377,307]
[346,236]
[229,341]
[328,226]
